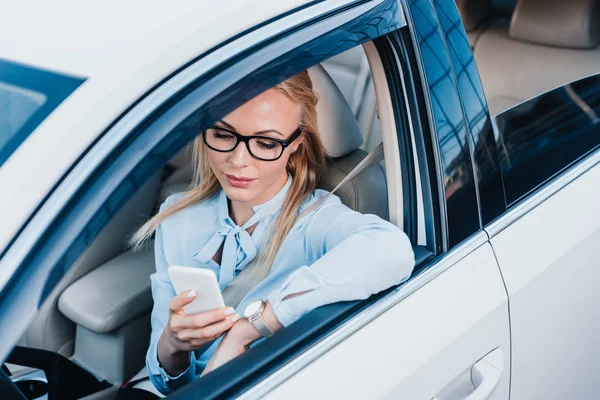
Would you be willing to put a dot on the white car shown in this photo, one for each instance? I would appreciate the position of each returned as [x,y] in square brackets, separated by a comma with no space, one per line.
[498,192]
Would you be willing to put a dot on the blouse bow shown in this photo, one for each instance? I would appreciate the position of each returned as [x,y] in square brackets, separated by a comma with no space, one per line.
[239,249]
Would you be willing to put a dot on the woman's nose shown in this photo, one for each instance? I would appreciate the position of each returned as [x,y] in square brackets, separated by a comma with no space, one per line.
[240,157]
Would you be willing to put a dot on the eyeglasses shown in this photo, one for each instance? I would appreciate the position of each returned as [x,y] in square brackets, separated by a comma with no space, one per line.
[260,147]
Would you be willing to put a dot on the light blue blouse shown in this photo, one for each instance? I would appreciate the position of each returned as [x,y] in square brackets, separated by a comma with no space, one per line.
[333,252]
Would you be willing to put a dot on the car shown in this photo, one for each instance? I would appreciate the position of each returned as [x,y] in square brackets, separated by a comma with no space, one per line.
[488,116]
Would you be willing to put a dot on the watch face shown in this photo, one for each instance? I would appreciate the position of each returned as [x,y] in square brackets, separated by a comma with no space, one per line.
[252,308]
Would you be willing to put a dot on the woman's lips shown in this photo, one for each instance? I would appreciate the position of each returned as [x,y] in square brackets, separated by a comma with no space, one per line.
[238,181]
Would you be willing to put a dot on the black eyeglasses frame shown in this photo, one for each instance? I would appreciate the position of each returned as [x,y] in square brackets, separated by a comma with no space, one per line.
[246,139]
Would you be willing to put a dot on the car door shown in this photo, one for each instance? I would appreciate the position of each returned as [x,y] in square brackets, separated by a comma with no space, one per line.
[547,245]
[445,333]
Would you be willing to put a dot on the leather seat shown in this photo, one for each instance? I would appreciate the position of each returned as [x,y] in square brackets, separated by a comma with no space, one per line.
[50,329]
[546,44]
[350,72]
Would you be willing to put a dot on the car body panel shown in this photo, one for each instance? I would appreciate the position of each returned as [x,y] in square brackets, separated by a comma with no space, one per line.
[422,344]
[137,69]
[549,260]
[91,39]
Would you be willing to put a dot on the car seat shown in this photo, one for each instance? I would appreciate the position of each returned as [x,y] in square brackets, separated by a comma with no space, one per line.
[546,44]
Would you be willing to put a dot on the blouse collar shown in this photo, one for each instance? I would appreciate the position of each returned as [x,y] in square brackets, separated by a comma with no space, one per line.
[239,248]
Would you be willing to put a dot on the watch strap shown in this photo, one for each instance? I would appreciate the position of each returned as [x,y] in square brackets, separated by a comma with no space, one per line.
[262,328]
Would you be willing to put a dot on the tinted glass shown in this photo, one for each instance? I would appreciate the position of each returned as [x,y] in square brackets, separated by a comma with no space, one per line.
[27,96]
[481,136]
[545,135]
[17,105]
[461,201]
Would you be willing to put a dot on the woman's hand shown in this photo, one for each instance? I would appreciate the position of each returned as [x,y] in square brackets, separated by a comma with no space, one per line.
[184,333]
[235,343]
[239,337]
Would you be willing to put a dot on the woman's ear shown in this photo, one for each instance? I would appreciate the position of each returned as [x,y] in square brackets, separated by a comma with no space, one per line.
[297,143]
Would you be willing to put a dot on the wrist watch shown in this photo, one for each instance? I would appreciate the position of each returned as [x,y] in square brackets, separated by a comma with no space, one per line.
[254,312]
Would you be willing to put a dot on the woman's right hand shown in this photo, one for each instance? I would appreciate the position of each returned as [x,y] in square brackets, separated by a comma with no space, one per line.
[185,333]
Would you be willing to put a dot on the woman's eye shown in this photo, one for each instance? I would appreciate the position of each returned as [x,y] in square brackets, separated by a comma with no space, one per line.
[267,145]
[220,135]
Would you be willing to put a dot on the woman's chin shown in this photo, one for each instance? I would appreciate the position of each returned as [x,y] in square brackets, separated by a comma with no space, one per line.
[241,195]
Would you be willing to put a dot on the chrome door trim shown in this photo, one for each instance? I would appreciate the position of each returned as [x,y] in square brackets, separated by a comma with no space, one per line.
[424,276]
[44,217]
[514,214]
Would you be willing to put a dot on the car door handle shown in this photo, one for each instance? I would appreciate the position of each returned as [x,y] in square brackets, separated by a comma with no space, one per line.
[478,382]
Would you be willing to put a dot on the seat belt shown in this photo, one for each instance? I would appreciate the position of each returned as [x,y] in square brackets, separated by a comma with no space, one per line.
[371,159]
[247,279]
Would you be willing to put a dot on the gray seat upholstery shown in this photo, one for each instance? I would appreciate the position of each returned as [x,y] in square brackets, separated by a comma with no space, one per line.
[50,329]
[179,174]
[350,72]
[366,193]
[546,44]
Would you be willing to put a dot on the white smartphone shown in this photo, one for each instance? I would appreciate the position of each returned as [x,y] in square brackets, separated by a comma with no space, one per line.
[203,282]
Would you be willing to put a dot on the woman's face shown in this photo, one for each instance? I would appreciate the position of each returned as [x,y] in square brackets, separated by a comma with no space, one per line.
[244,178]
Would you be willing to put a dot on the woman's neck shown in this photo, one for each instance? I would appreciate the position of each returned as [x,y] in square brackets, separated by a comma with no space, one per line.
[240,212]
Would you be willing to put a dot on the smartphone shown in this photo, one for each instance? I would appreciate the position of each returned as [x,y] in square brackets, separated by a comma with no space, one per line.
[203,282]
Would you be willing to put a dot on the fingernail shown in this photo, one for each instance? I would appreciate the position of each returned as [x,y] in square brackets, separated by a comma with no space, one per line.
[229,311]
[191,294]
[236,317]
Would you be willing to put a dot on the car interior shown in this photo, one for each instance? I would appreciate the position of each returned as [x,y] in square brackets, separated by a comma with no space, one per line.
[98,316]
[513,41]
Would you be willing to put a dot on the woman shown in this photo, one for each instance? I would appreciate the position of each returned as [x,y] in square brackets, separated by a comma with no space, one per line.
[253,205]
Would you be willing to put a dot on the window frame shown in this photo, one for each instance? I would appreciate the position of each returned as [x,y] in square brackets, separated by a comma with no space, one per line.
[460,204]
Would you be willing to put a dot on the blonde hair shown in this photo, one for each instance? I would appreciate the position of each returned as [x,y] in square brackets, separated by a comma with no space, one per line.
[305,166]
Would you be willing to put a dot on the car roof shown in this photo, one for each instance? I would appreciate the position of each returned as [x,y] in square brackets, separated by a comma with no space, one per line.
[122,50]
[83,38]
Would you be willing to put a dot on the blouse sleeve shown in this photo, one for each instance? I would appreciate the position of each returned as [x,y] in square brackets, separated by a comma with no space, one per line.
[162,293]
[356,255]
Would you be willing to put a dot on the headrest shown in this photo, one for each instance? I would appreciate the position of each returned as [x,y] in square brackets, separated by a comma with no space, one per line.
[339,129]
[566,23]
[473,12]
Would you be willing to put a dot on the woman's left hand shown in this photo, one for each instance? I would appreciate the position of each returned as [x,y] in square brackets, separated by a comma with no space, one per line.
[241,335]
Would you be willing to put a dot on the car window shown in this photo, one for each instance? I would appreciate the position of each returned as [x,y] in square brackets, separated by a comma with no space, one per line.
[540,138]
[27,96]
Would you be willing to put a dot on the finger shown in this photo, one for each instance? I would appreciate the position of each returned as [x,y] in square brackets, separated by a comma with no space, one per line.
[181,321]
[203,319]
[209,332]
[176,304]
[217,329]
